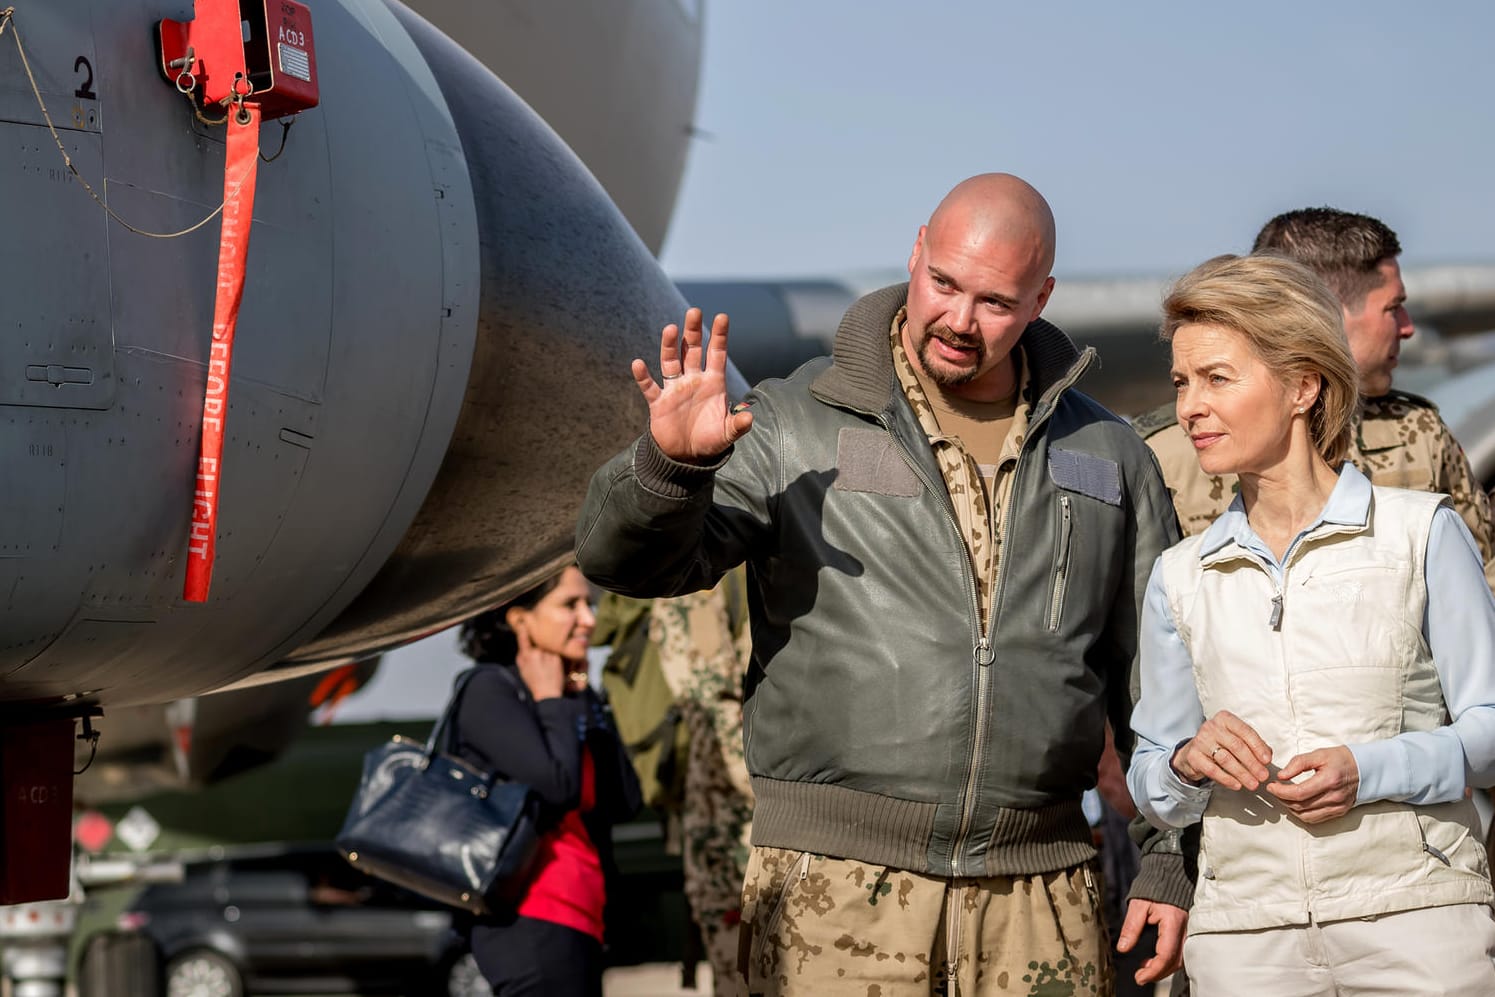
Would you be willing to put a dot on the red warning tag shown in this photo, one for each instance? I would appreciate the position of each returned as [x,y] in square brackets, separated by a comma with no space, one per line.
[239,173]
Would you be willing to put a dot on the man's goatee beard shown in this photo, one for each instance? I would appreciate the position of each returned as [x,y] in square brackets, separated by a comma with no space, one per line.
[944,376]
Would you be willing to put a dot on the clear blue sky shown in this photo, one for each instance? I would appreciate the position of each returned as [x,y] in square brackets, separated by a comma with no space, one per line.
[1161,133]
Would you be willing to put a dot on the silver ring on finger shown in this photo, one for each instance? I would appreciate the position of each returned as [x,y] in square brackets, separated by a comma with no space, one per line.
[1215,751]
[671,377]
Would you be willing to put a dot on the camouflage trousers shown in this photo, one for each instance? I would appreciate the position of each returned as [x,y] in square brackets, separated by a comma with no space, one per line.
[818,925]
[715,823]
[703,657]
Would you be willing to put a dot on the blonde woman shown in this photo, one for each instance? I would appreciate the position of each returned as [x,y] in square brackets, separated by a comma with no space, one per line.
[1318,673]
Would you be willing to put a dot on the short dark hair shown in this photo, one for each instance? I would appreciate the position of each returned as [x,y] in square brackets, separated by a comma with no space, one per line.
[488,636]
[1341,247]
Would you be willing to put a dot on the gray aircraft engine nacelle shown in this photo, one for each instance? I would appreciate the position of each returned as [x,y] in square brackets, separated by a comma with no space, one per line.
[431,359]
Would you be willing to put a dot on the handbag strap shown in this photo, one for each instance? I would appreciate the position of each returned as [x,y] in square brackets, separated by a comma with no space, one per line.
[436,742]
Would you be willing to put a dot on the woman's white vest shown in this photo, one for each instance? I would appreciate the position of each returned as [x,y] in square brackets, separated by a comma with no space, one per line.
[1342,661]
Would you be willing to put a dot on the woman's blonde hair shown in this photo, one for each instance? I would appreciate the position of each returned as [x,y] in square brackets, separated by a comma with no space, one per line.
[1293,324]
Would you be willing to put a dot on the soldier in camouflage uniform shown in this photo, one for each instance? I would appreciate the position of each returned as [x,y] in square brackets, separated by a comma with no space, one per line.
[703,646]
[1400,441]
[675,677]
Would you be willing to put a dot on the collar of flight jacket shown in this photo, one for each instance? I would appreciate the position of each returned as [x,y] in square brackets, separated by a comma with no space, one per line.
[861,375]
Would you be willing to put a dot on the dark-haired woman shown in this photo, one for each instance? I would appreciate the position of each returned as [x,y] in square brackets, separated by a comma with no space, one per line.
[529,715]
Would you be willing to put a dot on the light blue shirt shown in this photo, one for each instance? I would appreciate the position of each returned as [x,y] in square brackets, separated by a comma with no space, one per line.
[1416,767]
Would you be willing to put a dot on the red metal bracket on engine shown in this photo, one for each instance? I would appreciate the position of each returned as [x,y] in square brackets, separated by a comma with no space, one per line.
[206,53]
[284,68]
[237,48]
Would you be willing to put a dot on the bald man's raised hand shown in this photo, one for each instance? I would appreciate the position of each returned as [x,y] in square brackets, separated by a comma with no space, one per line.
[690,416]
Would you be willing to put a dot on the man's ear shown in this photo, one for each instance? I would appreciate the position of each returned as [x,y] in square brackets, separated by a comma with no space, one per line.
[1043,298]
[913,257]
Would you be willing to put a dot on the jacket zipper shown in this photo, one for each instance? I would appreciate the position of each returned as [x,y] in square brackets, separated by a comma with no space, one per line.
[1061,566]
[1274,621]
[984,657]
[1274,613]
[983,653]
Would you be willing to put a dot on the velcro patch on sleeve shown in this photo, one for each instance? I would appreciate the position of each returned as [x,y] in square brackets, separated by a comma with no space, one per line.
[1086,474]
[867,460]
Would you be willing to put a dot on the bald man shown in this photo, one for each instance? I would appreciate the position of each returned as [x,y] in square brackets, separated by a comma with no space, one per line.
[947,546]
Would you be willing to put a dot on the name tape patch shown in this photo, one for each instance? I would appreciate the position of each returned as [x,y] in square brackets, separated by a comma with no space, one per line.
[1086,474]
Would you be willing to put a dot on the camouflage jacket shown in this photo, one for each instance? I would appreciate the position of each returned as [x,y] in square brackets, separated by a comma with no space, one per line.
[882,722]
[1399,442]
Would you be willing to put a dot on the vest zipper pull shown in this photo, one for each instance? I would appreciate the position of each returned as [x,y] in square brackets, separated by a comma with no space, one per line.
[983,653]
[1275,620]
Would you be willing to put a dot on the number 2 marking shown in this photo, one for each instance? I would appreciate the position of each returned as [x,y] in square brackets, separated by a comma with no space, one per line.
[85,92]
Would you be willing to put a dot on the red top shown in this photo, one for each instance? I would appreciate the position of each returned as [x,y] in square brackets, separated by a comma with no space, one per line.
[568,889]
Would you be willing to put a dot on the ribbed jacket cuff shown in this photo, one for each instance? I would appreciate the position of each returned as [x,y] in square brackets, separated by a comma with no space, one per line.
[668,477]
[1164,878]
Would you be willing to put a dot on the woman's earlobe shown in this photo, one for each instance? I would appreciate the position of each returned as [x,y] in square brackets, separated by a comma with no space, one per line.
[1309,391]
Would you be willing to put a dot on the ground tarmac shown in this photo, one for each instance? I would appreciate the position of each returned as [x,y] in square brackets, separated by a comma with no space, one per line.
[655,979]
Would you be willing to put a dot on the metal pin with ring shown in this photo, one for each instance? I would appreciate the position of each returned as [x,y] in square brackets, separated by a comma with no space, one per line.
[185,64]
[237,98]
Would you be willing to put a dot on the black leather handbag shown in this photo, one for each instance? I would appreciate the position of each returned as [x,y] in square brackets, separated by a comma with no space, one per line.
[433,824]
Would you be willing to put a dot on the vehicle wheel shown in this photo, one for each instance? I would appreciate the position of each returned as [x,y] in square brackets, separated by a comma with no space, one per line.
[466,980]
[203,973]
